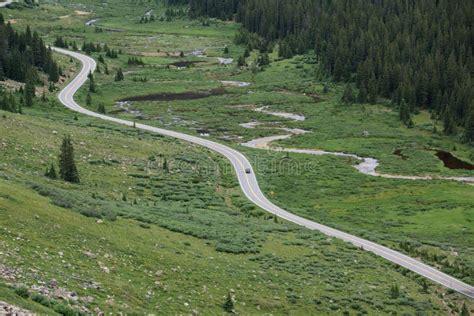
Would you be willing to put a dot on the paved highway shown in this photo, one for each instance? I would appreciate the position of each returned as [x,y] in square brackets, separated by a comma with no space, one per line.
[248,183]
[5,3]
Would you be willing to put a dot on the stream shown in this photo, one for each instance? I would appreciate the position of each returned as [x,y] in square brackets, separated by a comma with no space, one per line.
[367,166]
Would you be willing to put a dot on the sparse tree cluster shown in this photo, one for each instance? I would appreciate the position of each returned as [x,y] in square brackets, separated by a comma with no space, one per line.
[90,47]
[135,61]
[60,42]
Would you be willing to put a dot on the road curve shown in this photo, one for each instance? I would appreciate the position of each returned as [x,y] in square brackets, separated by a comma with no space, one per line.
[5,3]
[249,184]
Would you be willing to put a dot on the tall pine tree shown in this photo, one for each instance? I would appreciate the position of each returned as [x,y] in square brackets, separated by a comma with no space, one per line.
[67,165]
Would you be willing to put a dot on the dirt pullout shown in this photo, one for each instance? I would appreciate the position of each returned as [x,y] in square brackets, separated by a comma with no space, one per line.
[176,96]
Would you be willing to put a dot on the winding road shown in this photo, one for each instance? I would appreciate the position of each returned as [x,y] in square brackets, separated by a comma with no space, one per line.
[248,183]
[5,3]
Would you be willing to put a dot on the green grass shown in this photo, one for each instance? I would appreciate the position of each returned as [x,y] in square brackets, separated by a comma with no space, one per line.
[289,86]
[293,271]
[195,216]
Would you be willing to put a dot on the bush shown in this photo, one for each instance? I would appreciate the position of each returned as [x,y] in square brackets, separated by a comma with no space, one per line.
[144,225]
[22,292]
[91,213]
[65,310]
[38,298]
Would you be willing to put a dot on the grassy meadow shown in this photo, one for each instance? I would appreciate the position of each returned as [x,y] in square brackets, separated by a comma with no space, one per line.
[136,236]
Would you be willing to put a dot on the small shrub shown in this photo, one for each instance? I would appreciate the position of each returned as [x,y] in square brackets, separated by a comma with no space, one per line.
[38,298]
[22,292]
[91,213]
[144,225]
[65,310]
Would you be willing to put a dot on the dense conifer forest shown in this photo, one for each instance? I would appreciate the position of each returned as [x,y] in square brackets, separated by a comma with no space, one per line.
[21,56]
[417,53]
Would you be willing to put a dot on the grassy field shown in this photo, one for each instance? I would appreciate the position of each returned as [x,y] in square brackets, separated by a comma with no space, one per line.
[329,194]
[171,255]
[186,236]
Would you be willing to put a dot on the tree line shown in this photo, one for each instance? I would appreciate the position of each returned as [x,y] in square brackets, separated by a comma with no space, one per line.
[416,53]
[21,54]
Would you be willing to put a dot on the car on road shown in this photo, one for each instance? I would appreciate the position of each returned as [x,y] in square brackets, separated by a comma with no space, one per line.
[248,171]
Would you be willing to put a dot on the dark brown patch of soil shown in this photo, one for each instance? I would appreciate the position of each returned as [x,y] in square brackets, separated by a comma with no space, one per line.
[452,162]
[182,64]
[399,153]
[176,96]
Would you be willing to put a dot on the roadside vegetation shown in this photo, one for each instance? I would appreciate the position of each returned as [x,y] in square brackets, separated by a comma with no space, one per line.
[157,225]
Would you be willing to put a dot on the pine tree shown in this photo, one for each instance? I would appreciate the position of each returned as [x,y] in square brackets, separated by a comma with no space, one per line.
[241,62]
[394,291]
[464,310]
[373,90]
[101,108]
[246,53]
[228,304]
[67,166]
[53,74]
[263,59]
[404,112]
[166,168]
[119,76]
[362,96]
[325,89]
[424,284]
[348,96]
[29,91]
[51,172]
[91,83]
[449,125]
[469,131]
[226,50]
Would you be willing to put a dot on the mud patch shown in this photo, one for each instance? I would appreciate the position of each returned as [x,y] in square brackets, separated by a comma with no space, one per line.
[176,96]
[399,153]
[452,162]
[185,64]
